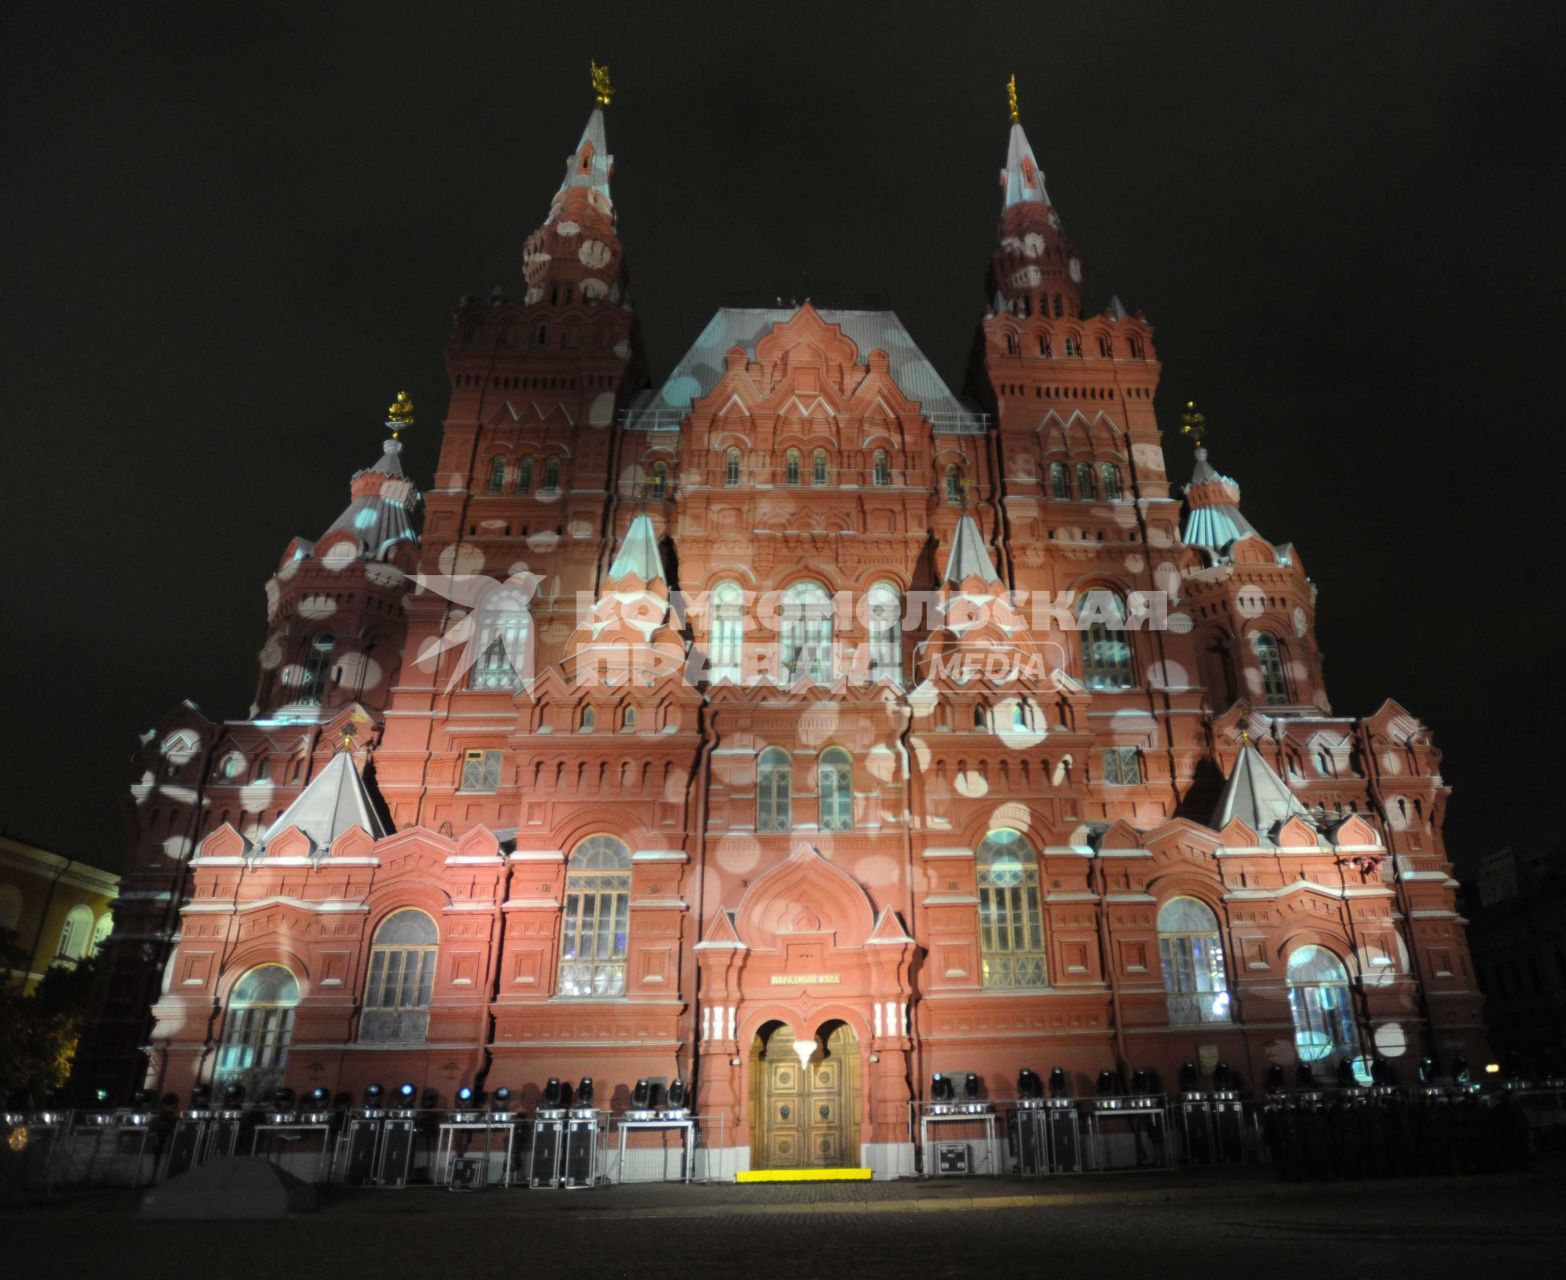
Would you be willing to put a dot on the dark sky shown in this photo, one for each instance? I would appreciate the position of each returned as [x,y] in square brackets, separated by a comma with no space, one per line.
[228,237]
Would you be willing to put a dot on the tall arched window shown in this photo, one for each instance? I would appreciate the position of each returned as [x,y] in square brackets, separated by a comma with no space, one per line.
[525,476]
[1085,481]
[791,467]
[257,1029]
[1106,647]
[885,624]
[497,475]
[835,790]
[75,935]
[726,652]
[502,642]
[552,475]
[402,972]
[953,483]
[1275,684]
[318,661]
[1325,1033]
[100,933]
[881,471]
[731,468]
[597,918]
[1190,948]
[1059,485]
[818,467]
[1011,922]
[1109,474]
[773,786]
[806,633]
[657,481]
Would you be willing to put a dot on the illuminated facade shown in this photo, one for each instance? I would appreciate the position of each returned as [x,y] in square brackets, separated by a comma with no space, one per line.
[793,726]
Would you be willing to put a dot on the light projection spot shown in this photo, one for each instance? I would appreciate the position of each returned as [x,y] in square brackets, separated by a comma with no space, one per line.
[737,854]
[1012,814]
[543,541]
[384,575]
[622,350]
[971,785]
[594,253]
[1301,622]
[518,568]
[1074,269]
[1014,724]
[1032,244]
[594,289]
[1171,675]
[882,764]
[359,671]
[288,571]
[877,870]
[315,608]
[291,676]
[676,784]
[680,391]
[1180,623]
[233,765]
[533,295]
[176,848]
[568,228]
[536,258]
[255,797]
[341,554]
[1167,576]
[1158,536]
[601,412]
[922,700]
[818,725]
[1391,762]
[921,752]
[1062,768]
[461,557]
[182,795]
[1135,563]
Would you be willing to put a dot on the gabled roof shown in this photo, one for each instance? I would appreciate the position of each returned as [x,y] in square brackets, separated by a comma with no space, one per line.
[1255,795]
[334,801]
[638,555]
[969,557]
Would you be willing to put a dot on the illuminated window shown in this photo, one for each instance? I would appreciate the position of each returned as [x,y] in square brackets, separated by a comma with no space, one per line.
[552,475]
[658,481]
[1109,474]
[726,652]
[597,918]
[882,473]
[1322,1004]
[953,484]
[1059,484]
[257,1029]
[1085,481]
[1073,345]
[1121,767]
[818,467]
[1275,685]
[805,640]
[100,933]
[885,624]
[318,661]
[1011,924]
[1106,648]
[773,783]
[835,790]
[502,642]
[480,771]
[1190,950]
[497,475]
[75,935]
[791,467]
[525,476]
[731,468]
[402,972]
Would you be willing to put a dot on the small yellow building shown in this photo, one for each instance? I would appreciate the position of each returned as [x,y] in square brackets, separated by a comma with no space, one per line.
[52,910]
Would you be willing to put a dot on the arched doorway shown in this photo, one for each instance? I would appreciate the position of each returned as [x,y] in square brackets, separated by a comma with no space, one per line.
[804,1108]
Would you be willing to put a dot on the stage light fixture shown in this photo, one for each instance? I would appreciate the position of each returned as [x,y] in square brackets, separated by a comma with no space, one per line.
[1188,1077]
[1223,1078]
[552,1092]
[282,1099]
[641,1095]
[1059,1086]
[1275,1078]
[500,1100]
[465,1094]
[584,1092]
[1141,1082]
[201,1097]
[676,1098]
[320,1098]
[233,1094]
[373,1093]
[1107,1083]
[970,1086]
[1029,1085]
[406,1094]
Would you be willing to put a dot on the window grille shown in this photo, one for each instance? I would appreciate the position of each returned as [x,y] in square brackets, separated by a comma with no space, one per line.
[1190,949]
[597,918]
[480,771]
[773,784]
[401,976]
[835,790]
[1011,925]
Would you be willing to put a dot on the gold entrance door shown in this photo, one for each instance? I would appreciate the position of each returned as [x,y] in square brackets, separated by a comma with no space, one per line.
[805,1114]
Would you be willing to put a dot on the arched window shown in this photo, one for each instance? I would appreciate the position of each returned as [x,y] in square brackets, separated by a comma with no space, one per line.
[953,483]
[885,624]
[657,481]
[525,476]
[502,642]
[101,932]
[773,782]
[1073,344]
[318,661]
[726,652]
[497,475]
[402,972]
[731,468]
[882,472]
[1322,1004]
[835,790]
[1011,922]
[589,720]
[551,475]
[806,633]
[1106,649]
[981,717]
[257,1029]
[628,720]
[1085,481]
[75,935]
[1109,474]
[818,467]
[597,917]
[1191,951]
[1275,684]
[791,467]
[1059,484]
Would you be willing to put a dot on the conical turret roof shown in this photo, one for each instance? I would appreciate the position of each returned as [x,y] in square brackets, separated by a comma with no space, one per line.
[334,801]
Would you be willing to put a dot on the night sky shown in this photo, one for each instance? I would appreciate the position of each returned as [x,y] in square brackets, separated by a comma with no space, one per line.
[227,239]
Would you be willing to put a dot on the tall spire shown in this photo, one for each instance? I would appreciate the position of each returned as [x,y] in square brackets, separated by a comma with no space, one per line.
[639,556]
[969,557]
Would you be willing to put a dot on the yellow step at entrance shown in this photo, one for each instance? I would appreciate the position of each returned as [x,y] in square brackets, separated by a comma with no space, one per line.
[803,1175]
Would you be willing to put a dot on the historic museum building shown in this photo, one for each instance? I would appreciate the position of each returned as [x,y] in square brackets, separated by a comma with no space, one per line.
[792,726]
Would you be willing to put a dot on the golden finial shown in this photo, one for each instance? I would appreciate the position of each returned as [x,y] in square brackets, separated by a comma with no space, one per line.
[399,417]
[603,90]
[1245,737]
[350,732]
[1011,97]
[1193,424]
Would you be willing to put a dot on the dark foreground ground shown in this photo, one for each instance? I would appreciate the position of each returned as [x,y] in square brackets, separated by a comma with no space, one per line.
[1197,1226]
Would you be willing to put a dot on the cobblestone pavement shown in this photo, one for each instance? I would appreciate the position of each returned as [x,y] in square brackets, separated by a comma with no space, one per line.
[1510,1227]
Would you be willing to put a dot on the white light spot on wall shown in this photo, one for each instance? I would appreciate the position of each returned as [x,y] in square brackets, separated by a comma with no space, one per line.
[271,653]
[356,671]
[176,848]
[601,412]
[257,795]
[314,608]
[594,253]
[680,391]
[1391,762]
[1301,622]
[971,784]
[737,854]
[341,554]
[1180,623]
[1391,1040]
[877,870]
[568,228]
[882,764]
[461,557]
